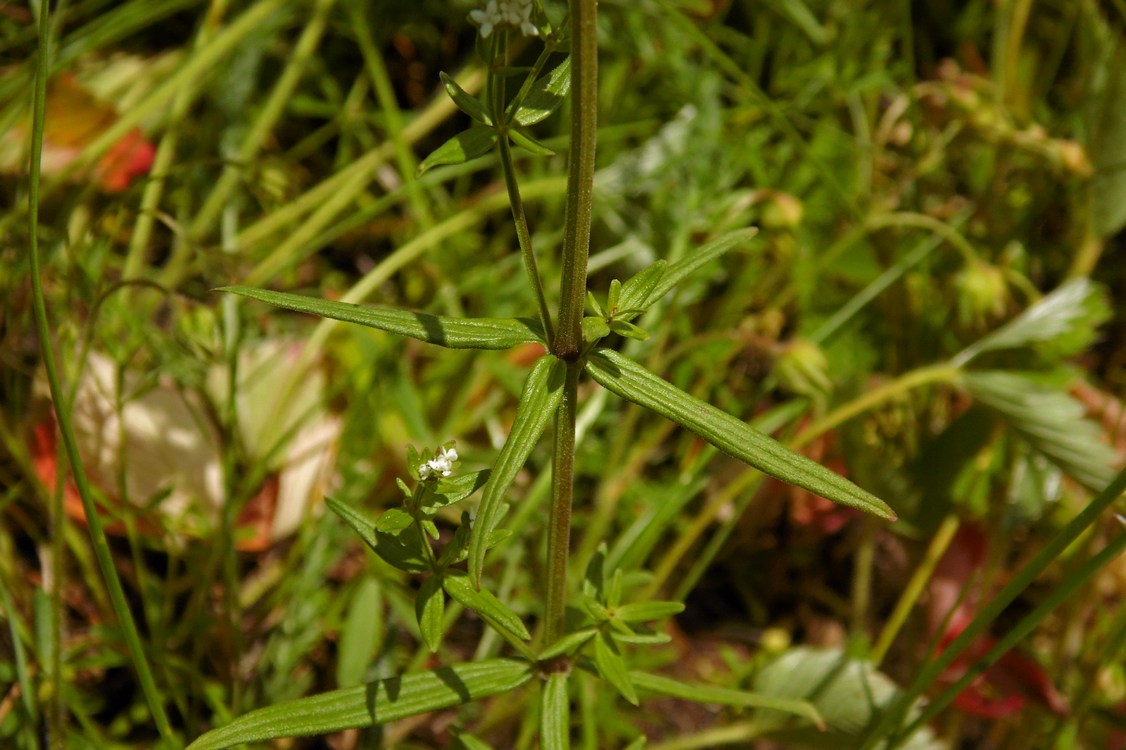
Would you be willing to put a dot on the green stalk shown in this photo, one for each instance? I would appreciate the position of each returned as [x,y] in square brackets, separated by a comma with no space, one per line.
[568,340]
[43,329]
[522,234]
[580,177]
[559,521]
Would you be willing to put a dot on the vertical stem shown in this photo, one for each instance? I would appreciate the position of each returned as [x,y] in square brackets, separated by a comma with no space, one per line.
[559,524]
[567,343]
[580,177]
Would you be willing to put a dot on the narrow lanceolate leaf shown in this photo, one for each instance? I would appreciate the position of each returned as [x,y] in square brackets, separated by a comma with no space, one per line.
[491,609]
[545,96]
[1051,421]
[467,103]
[733,436]
[374,703]
[404,550]
[723,696]
[529,144]
[542,393]
[555,714]
[429,607]
[638,290]
[694,259]
[465,146]
[647,611]
[613,667]
[454,333]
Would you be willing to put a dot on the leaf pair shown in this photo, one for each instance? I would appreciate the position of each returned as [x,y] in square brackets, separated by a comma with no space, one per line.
[541,99]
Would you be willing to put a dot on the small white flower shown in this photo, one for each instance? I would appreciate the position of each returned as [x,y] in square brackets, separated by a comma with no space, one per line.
[516,13]
[424,471]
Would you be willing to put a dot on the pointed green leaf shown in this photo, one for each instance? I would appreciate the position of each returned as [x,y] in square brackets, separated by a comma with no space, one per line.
[555,714]
[638,743]
[542,393]
[545,96]
[404,551]
[457,547]
[467,103]
[529,144]
[594,329]
[374,703]
[451,490]
[681,269]
[361,635]
[466,741]
[393,520]
[491,609]
[465,146]
[638,639]
[614,295]
[429,608]
[1073,311]
[637,291]
[454,333]
[723,696]
[613,667]
[629,330]
[593,302]
[631,381]
[1051,421]
[648,611]
[568,644]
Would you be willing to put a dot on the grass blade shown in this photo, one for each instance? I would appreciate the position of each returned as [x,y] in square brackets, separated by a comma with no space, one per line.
[724,696]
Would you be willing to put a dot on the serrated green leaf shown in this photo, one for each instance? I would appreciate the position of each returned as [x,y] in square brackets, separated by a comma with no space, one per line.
[613,667]
[631,381]
[594,329]
[404,551]
[568,644]
[465,146]
[375,703]
[538,401]
[1073,310]
[681,269]
[465,101]
[393,520]
[555,714]
[429,608]
[1050,421]
[545,96]
[647,611]
[637,290]
[529,144]
[724,696]
[454,333]
[491,609]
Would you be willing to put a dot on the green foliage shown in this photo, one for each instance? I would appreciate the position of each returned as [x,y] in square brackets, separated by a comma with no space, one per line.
[862,249]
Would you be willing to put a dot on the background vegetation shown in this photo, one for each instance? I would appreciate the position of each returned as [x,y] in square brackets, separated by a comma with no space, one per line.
[931,307]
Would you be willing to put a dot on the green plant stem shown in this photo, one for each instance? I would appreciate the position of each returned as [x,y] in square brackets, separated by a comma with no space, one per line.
[915,587]
[522,234]
[62,414]
[580,177]
[559,521]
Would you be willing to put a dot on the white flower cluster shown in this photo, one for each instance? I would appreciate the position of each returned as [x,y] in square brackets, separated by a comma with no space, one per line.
[441,465]
[516,13]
